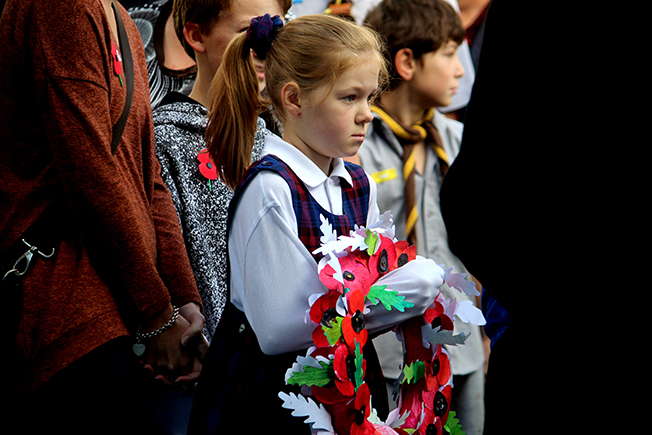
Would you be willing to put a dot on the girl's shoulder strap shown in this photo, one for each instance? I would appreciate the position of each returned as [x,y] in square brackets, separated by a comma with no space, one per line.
[266,163]
[358,174]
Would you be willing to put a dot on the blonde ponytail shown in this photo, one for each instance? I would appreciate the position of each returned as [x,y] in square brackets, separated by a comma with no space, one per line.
[233,112]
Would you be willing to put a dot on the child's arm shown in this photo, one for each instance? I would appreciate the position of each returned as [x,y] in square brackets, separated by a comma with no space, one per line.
[273,274]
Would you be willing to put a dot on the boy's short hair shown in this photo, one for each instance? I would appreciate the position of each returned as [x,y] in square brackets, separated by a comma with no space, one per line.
[204,13]
[420,25]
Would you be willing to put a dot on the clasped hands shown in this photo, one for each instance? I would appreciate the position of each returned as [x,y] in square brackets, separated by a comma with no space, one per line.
[175,356]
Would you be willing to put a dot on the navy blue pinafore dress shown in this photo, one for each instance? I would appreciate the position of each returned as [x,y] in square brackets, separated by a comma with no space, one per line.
[239,384]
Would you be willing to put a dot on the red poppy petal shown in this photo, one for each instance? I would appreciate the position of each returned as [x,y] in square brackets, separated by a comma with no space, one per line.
[203,156]
[345,387]
[444,374]
[210,173]
[435,310]
[385,245]
[367,428]
[350,336]
[326,278]
[319,338]
[362,398]
[329,395]
[339,363]
[324,302]
[356,301]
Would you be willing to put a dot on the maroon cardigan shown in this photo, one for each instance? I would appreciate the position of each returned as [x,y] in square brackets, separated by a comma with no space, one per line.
[122,256]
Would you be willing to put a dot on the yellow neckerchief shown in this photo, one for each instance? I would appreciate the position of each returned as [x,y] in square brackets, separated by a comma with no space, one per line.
[401,132]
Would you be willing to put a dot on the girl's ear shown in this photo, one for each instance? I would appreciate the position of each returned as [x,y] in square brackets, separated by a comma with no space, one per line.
[290,96]
[194,37]
[405,64]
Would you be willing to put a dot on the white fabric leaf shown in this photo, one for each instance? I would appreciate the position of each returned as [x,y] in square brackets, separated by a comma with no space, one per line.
[317,415]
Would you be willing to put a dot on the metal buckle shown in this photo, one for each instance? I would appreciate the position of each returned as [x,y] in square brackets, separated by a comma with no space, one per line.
[26,258]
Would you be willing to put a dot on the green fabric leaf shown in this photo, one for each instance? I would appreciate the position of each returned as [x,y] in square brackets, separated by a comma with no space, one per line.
[371,241]
[414,372]
[359,359]
[334,333]
[313,376]
[453,425]
[389,298]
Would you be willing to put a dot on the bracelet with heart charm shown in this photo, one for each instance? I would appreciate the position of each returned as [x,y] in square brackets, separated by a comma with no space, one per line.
[139,346]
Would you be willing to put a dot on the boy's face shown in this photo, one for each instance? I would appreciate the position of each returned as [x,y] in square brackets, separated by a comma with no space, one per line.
[235,22]
[436,78]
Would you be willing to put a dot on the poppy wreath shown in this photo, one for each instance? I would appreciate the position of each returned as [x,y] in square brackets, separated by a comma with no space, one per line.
[332,372]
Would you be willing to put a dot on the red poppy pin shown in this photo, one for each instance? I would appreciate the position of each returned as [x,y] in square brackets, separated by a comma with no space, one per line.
[117,62]
[207,167]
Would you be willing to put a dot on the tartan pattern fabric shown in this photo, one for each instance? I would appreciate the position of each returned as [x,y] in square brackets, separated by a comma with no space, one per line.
[355,201]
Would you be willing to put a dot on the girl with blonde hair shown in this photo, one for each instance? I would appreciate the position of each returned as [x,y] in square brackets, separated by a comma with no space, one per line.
[322,73]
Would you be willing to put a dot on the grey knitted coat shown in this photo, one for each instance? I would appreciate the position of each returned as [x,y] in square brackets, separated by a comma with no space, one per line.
[202,208]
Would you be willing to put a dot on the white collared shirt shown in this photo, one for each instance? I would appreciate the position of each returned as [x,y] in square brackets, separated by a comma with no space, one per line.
[273,274]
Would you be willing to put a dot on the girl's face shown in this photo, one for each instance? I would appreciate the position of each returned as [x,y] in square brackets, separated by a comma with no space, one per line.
[333,122]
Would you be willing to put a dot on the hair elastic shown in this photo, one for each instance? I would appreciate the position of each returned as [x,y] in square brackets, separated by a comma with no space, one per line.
[262,32]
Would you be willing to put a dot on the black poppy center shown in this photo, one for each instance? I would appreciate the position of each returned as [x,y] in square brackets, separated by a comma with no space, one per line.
[440,404]
[431,429]
[350,367]
[436,366]
[357,321]
[348,276]
[209,165]
[359,417]
[383,262]
[402,259]
[436,322]
[328,315]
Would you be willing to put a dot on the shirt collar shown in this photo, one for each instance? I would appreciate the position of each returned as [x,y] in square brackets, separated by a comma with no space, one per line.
[305,168]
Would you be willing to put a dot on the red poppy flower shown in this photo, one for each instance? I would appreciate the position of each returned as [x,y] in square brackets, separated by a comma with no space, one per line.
[362,426]
[206,165]
[404,254]
[355,275]
[385,256]
[345,370]
[438,372]
[320,311]
[437,318]
[329,394]
[353,325]
[431,424]
[439,402]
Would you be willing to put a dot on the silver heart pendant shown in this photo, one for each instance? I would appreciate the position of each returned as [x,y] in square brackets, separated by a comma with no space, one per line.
[139,349]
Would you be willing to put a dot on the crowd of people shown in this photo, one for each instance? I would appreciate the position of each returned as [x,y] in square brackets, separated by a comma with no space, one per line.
[164,167]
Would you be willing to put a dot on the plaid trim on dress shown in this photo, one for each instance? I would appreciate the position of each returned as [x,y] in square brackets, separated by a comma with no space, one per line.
[355,201]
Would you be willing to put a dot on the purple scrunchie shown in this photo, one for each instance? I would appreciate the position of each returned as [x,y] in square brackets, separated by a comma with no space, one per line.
[262,32]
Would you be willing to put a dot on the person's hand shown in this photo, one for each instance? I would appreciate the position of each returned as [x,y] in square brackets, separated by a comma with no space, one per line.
[193,339]
[165,356]
[194,334]
[192,349]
